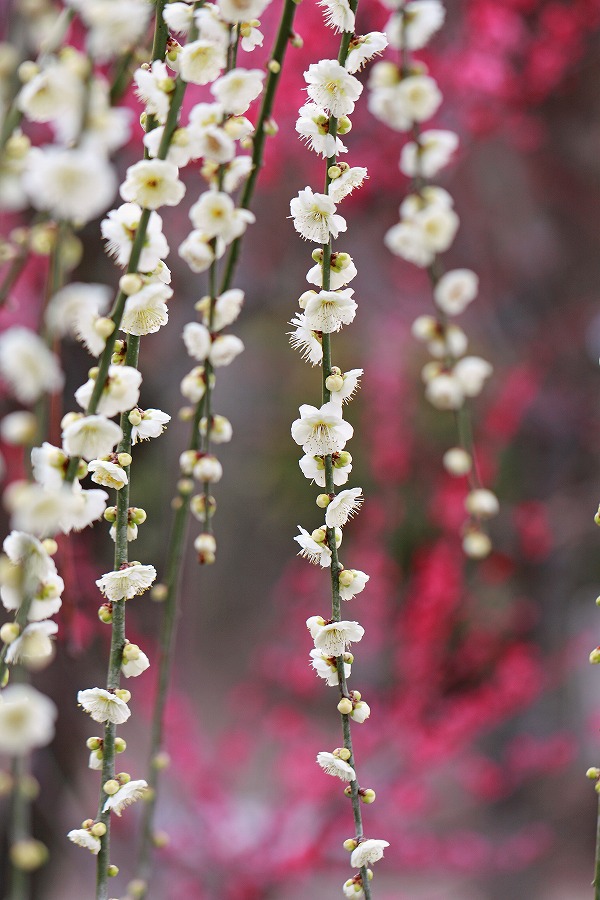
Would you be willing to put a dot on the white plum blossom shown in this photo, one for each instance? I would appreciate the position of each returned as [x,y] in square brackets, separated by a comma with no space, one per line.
[227,308]
[419,22]
[328,311]
[221,430]
[350,384]
[39,510]
[352,582]
[482,503]
[54,94]
[113,27]
[103,706]
[91,437]
[313,467]
[472,373]
[333,765]
[224,349]
[236,90]
[154,87]
[84,508]
[58,180]
[46,600]
[26,719]
[196,251]
[201,61]
[49,465]
[315,552]
[332,87]
[363,48]
[341,272]
[27,365]
[152,183]
[119,229]
[126,582]
[134,661]
[120,393]
[126,795]
[313,127]
[360,712]
[444,391]
[153,423]
[348,181]
[315,217]
[338,15]
[197,340]
[430,154]
[18,428]
[146,311]
[368,851]
[179,16]
[241,10]
[25,549]
[345,505]
[84,838]
[193,385]
[108,474]
[75,303]
[33,648]
[326,668]
[308,342]
[334,637]
[455,290]
[215,215]
[321,431]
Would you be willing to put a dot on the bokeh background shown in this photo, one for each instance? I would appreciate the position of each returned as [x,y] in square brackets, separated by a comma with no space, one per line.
[485,712]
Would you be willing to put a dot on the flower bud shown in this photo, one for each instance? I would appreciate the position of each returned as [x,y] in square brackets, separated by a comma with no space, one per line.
[105,613]
[87,823]
[593,773]
[104,327]
[111,786]
[322,501]
[110,514]
[344,125]
[186,414]
[112,871]
[93,743]
[319,535]
[123,694]
[344,754]
[476,544]
[344,459]
[350,844]
[297,41]
[345,706]
[130,283]
[274,66]
[9,632]
[27,70]
[123,778]
[137,515]
[159,593]
[334,382]
[161,761]
[457,461]
[18,428]
[346,577]
[334,172]
[28,854]
[161,839]
[200,504]
[481,503]
[124,459]
[120,745]
[368,796]
[595,656]
[98,829]
[317,255]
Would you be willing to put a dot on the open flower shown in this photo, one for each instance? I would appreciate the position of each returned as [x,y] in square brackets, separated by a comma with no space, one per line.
[26,719]
[338,15]
[332,87]
[119,229]
[368,851]
[84,838]
[343,507]
[27,365]
[152,424]
[333,638]
[326,668]
[103,706]
[120,393]
[315,218]
[146,311]
[152,183]
[107,473]
[127,582]
[33,648]
[125,796]
[91,437]
[328,311]
[333,765]
[321,431]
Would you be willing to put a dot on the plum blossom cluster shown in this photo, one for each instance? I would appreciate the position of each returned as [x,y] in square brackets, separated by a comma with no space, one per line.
[404,96]
[321,431]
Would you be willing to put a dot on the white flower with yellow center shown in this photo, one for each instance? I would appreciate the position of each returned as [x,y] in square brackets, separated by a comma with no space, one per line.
[134,661]
[85,508]
[91,437]
[196,251]
[420,21]
[333,765]
[364,48]
[33,648]
[119,229]
[197,340]
[352,582]
[200,62]
[455,290]
[308,342]
[332,87]
[146,311]
[430,154]
[328,311]
[236,90]
[120,394]
[58,180]
[472,373]
[321,431]
[154,87]
[215,215]
[224,349]
[242,10]
[126,582]
[313,127]
[315,218]
[179,17]
[74,303]
[103,706]
[326,668]
[152,183]
[153,423]
[39,510]
[349,181]
[333,638]
[316,552]
[26,719]
[342,271]
[337,15]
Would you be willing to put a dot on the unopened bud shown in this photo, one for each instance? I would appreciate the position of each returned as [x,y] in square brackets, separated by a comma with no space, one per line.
[593,773]
[334,172]
[334,382]
[161,760]
[271,127]
[98,829]
[120,745]
[27,70]
[317,255]
[323,501]
[130,283]
[93,743]
[124,459]
[345,706]
[185,486]
[186,414]
[111,786]
[137,515]
[297,41]
[595,656]
[28,854]
[159,593]
[9,632]
[350,844]
[105,613]
[344,754]
[319,535]
[123,694]
[457,461]
[123,778]
[274,66]
[112,871]
[368,796]
[104,327]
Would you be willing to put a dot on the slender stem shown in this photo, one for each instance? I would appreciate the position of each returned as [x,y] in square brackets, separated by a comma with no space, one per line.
[179,527]
[284,33]
[20,826]
[13,273]
[596,881]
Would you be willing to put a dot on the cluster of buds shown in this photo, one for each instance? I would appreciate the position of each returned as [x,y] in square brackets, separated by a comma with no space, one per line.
[404,96]
[322,432]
